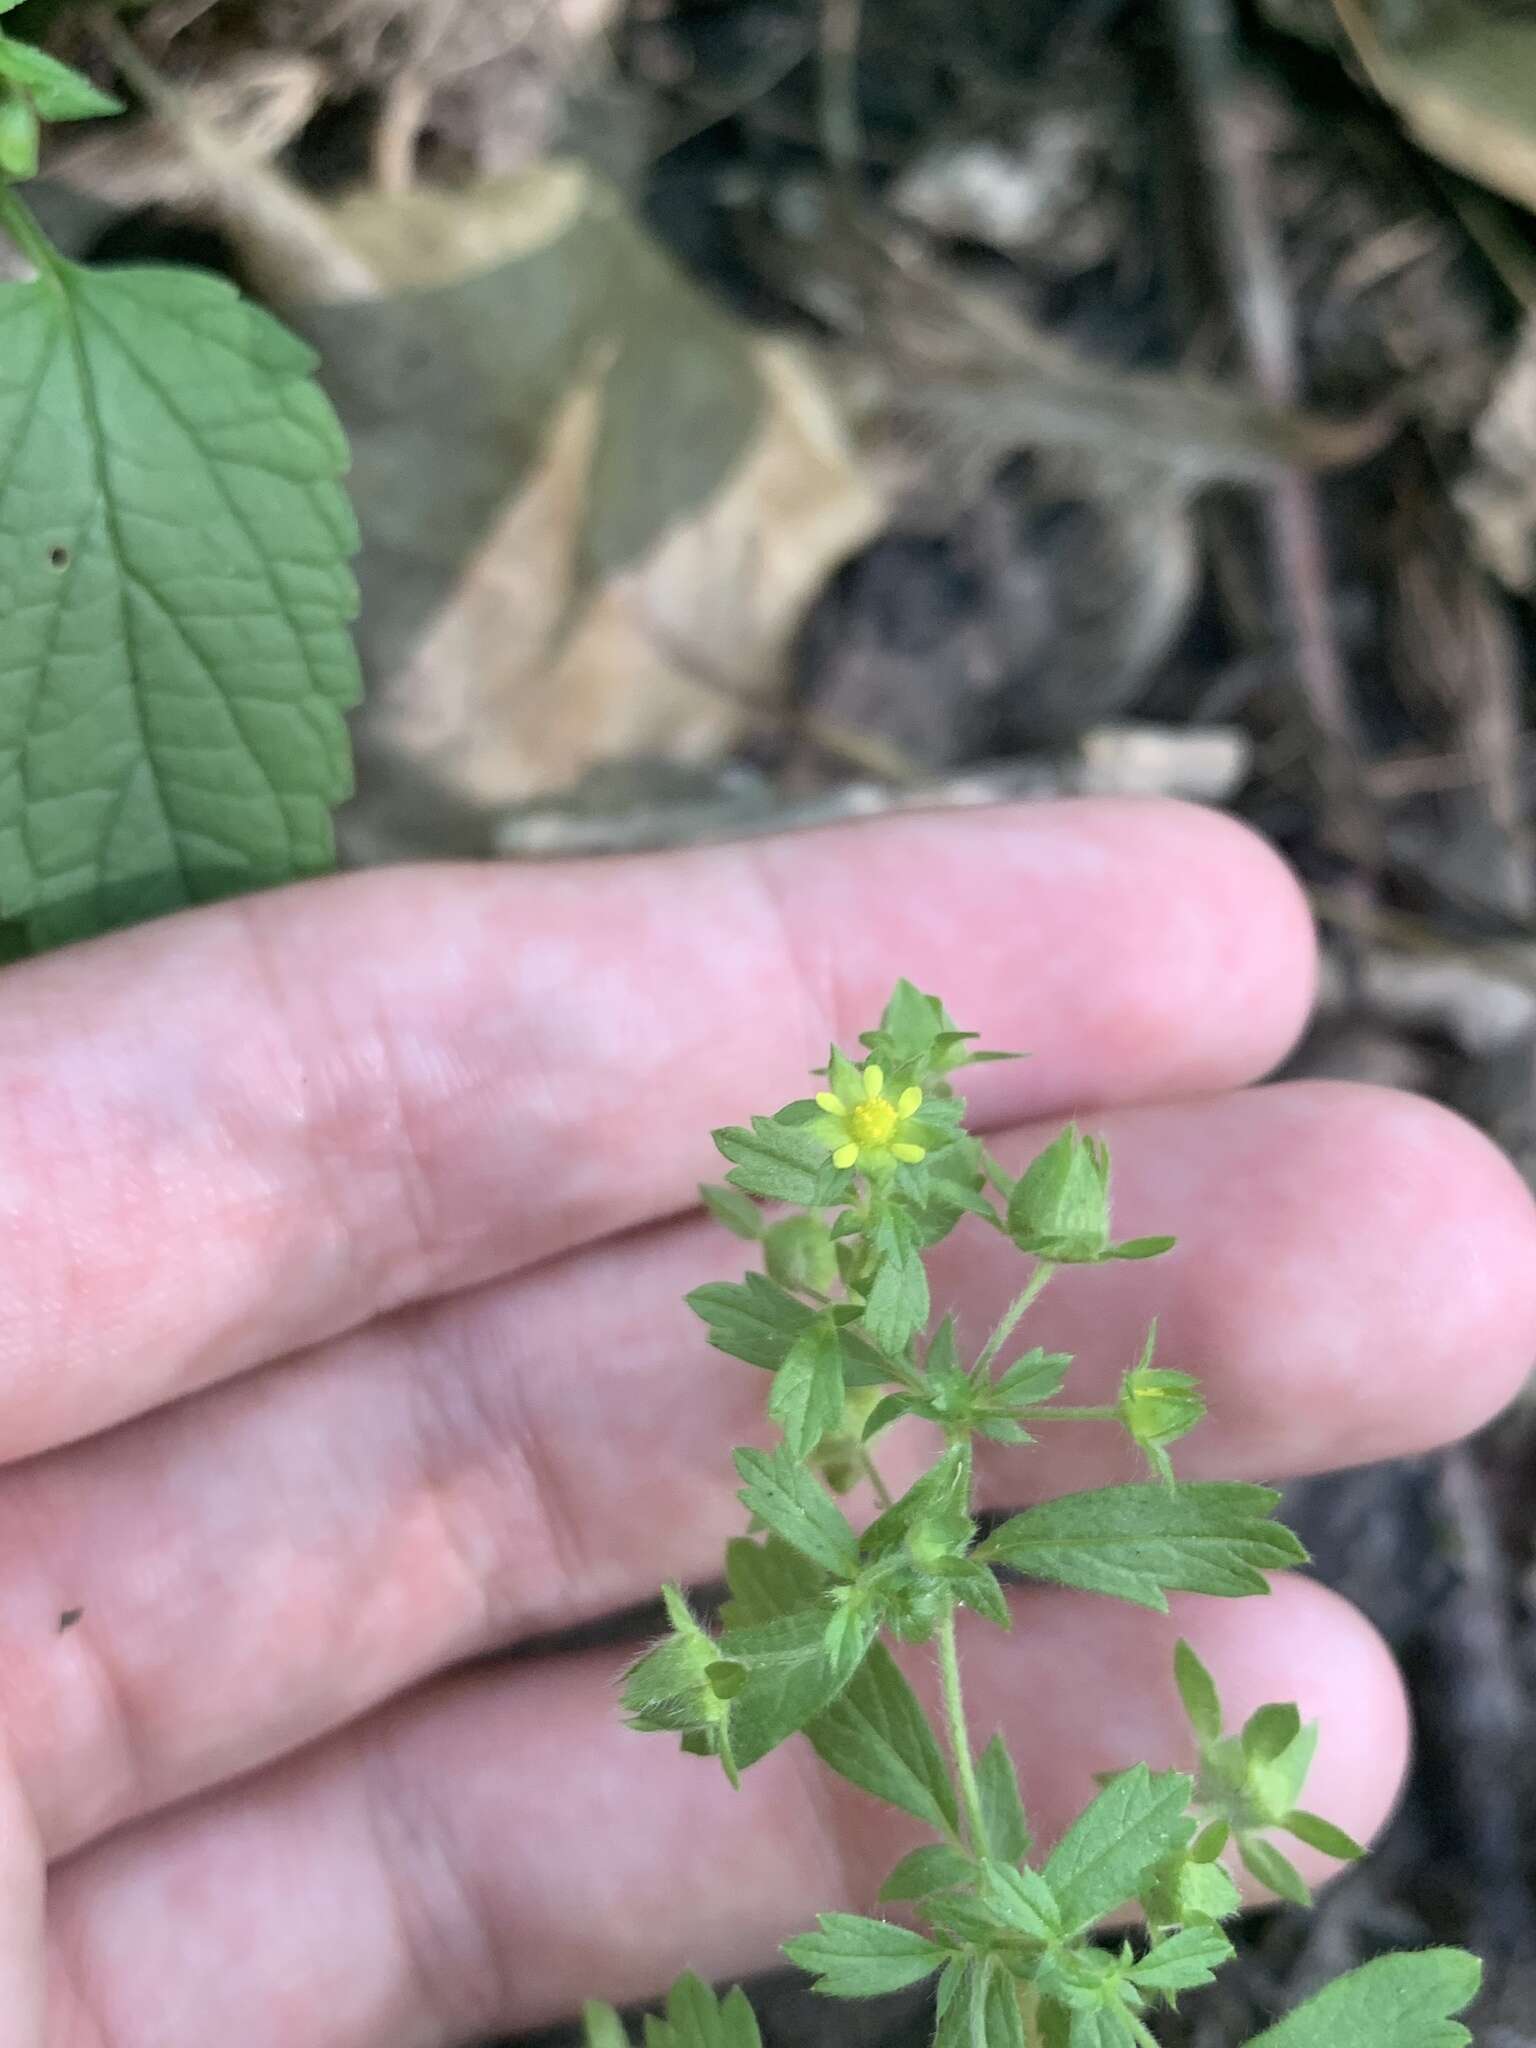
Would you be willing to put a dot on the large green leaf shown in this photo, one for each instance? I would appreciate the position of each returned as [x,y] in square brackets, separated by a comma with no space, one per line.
[175,594]
[1405,2001]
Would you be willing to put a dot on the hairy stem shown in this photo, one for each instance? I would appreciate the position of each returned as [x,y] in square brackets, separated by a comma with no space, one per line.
[1013,1313]
[960,1736]
[19,223]
[871,1472]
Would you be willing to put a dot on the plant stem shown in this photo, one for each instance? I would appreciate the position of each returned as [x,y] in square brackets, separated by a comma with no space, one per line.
[24,231]
[1029,2007]
[960,1736]
[871,1471]
[1013,1312]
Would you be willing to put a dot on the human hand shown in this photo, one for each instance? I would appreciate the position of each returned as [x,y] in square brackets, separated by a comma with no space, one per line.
[345,1233]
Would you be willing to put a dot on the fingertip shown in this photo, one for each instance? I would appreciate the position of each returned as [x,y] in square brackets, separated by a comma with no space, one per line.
[1437,1292]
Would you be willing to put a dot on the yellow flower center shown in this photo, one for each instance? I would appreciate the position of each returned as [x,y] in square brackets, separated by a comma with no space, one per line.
[872,1123]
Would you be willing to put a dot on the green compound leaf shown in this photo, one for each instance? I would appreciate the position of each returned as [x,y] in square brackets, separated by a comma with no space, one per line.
[1117,1841]
[794,1505]
[695,2018]
[1139,1543]
[1406,2001]
[856,1958]
[175,594]
[806,1399]
[879,1738]
[1184,1961]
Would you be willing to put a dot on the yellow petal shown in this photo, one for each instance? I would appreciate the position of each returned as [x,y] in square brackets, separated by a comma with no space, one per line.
[909,1155]
[832,1104]
[874,1081]
[845,1155]
[909,1102]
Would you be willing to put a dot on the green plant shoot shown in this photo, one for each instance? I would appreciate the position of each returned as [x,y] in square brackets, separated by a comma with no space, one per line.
[1079,1944]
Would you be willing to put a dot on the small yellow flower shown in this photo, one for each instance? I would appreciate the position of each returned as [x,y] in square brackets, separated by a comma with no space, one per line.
[864,1126]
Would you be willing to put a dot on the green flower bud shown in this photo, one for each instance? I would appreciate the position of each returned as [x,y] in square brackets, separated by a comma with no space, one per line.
[1059,1208]
[18,137]
[1189,1892]
[1157,1408]
[684,1687]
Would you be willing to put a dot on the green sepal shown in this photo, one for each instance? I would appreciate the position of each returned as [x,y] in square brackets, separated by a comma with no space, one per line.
[1272,1869]
[916,1039]
[1322,1835]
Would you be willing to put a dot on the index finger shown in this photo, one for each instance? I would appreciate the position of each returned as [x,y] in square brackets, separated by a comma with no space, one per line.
[233,1134]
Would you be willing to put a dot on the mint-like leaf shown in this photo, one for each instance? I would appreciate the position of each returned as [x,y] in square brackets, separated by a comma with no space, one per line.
[1407,2001]
[777,1161]
[1116,1842]
[1139,1543]
[173,563]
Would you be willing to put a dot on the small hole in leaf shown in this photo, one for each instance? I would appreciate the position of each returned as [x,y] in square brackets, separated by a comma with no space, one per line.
[59,557]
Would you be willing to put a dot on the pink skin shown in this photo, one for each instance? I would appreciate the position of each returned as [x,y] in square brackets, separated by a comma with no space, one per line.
[353,1222]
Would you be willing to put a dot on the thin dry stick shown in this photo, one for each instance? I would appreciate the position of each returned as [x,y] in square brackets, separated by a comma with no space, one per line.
[839,87]
[1206,36]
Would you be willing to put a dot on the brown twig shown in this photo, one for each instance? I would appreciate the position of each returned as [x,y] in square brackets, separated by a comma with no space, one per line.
[838,86]
[1223,119]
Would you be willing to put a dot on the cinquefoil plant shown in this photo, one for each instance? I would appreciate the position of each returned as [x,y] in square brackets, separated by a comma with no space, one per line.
[866,1177]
